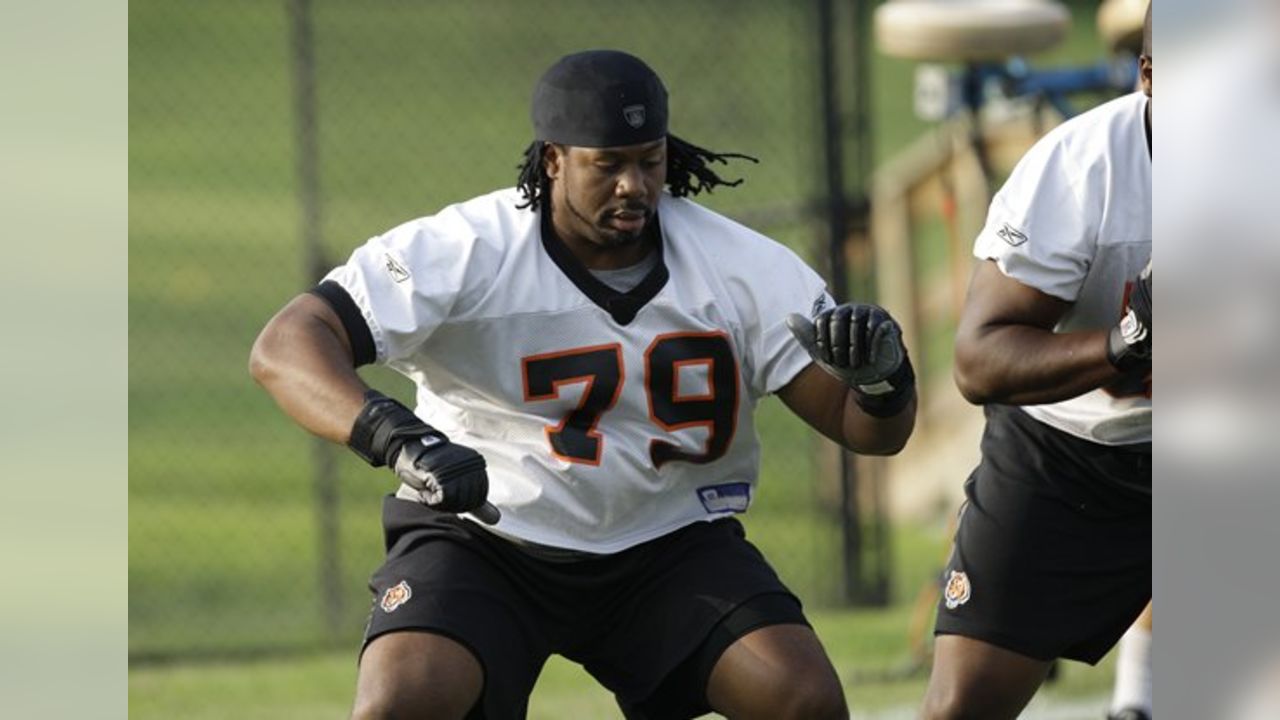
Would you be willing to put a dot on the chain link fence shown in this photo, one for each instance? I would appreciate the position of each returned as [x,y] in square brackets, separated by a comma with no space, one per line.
[268,139]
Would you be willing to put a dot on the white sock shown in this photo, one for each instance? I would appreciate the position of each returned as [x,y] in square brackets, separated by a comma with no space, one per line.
[1133,672]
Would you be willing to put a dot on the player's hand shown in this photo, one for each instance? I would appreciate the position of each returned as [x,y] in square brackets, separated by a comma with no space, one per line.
[448,477]
[860,344]
[1129,342]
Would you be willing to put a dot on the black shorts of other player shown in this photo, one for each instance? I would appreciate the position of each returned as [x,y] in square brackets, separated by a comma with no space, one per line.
[1052,553]
[649,623]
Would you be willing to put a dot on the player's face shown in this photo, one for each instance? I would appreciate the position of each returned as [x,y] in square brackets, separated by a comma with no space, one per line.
[1144,75]
[606,196]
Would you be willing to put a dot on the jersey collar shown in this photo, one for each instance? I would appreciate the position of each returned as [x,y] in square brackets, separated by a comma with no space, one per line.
[621,306]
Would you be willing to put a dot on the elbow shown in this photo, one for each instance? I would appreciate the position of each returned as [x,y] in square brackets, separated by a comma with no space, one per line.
[972,377]
[886,448]
[895,441]
[972,387]
[262,368]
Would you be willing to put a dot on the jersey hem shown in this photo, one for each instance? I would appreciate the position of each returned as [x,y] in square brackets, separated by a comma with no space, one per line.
[1050,421]
[611,548]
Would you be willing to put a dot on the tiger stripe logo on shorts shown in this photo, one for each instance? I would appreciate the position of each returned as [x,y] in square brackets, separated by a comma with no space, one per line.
[395,596]
[958,590]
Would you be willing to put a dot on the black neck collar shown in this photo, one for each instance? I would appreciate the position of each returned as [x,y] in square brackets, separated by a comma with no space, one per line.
[621,306]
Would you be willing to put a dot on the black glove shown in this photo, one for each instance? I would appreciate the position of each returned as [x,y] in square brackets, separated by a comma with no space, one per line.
[1129,342]
[862,346]
[448,477]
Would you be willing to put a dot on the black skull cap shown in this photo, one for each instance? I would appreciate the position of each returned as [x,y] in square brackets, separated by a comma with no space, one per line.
[599,98]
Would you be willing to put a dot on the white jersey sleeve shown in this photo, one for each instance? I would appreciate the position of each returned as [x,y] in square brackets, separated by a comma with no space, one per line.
[779,357]
[1037,229]
[407,281]
[775,357]
[1074,221]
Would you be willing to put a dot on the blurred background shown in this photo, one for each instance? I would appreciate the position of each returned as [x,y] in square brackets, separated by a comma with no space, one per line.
[268,138]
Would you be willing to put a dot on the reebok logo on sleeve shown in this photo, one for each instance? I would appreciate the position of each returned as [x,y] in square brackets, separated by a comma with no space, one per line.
[1011,235]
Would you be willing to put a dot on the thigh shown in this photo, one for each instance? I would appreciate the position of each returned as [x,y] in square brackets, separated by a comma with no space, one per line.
[416,674]
[442,596]
[975,679]
[778,671]
[773,622]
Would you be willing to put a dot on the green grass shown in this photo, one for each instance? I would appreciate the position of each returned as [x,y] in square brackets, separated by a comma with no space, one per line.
[867,646]
[322,686]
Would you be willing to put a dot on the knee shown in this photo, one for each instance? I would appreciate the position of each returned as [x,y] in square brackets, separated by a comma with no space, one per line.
[396,706]
[941,707]
[391,703]
[950,703]
[377,708]
[815,700]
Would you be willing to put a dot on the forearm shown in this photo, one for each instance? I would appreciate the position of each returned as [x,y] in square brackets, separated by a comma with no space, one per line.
[870,435]
[831,408]
[307,369]
[1024,365]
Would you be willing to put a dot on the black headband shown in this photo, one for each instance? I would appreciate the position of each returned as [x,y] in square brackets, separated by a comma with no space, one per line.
[599,98]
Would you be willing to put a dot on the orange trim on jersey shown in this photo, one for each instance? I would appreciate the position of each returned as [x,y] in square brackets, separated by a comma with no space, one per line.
[590,380]
[675,379]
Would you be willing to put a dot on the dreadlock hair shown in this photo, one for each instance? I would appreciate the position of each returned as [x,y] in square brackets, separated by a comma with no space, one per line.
[688,171]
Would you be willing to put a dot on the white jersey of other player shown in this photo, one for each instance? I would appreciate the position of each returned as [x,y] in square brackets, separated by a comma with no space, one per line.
[605,420]
[1074,221]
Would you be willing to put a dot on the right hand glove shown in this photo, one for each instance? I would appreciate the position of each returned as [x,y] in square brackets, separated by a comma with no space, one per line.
[1129,342]
[861,345]
[447,477]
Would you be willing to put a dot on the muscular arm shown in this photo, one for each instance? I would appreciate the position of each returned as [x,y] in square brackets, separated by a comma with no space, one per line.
[304,361]
[828,405]
[1007,352]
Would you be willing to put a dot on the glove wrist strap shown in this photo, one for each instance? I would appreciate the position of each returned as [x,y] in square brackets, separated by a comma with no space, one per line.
[382,427]
[887,404]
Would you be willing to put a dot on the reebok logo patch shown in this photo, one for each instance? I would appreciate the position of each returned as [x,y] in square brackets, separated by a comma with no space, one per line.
[396,269]
[1011,235]
[818,305]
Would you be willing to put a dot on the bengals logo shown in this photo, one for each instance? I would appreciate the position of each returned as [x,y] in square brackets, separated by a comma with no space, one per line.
[957,592]
[395,596]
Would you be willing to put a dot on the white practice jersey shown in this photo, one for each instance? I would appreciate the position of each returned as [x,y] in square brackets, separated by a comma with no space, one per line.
[1074,221]
[606,419]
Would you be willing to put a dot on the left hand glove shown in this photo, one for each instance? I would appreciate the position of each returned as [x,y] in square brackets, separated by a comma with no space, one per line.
[860,344]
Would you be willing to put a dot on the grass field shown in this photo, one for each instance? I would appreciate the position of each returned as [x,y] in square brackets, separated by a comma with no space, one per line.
[870,649]
[320,686]
[419,106]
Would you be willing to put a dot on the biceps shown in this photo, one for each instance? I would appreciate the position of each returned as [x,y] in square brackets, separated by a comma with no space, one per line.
[307,322]
[995,300]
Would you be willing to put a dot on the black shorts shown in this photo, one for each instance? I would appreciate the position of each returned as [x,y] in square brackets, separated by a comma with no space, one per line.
[648,622]
[1052,554]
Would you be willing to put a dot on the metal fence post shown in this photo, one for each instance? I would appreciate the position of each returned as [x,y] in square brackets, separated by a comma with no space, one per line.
[325,480]
[863,551]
